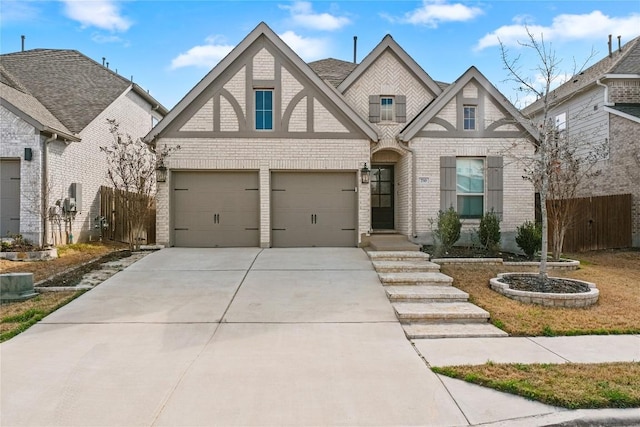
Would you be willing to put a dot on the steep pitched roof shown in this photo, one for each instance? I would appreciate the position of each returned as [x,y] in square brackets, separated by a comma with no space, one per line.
[262,30]
[388,43]
[623,61]
[332,70]
[431,110]
[73,87]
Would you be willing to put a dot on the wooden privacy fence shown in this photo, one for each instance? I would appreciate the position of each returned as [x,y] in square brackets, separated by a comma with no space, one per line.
[115,218]
[598,223]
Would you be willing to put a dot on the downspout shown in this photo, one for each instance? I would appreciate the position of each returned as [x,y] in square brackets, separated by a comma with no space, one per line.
[606,92]
[45,187]
[405,145]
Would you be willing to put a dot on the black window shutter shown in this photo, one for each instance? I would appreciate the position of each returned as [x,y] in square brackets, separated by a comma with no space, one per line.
[401,108]
[494,185]
[447,183]
[374,108]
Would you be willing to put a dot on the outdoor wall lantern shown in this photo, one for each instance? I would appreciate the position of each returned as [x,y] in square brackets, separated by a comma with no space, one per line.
[161,173]
[364,174]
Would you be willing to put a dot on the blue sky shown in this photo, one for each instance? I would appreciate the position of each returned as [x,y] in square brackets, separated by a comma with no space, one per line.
[168,46]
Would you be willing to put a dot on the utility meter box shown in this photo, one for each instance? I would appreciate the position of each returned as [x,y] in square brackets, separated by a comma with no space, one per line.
[75,192]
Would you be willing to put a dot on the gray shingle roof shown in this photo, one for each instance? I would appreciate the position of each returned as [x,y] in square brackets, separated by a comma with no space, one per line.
[626,61]
[332,70]
[73,87]
[630,109]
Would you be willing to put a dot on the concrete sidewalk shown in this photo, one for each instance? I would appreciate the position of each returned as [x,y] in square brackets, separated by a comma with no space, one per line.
[188,337]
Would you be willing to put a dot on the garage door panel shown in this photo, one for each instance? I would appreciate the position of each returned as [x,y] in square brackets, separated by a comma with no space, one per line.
[216,209]
[313,209]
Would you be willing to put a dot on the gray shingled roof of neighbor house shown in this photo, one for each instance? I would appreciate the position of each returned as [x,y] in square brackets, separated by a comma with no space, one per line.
[630,109]
[623,61]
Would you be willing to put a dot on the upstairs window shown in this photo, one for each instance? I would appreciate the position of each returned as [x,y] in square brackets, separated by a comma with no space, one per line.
[264,109]
[470,187]
[386,109]
[469,119]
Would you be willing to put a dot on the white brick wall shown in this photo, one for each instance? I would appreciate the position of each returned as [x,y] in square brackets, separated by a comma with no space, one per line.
[263,65]
[449,113]
[470,91]
[264,156]
[298,119]
[202,120]
[237,87]
[324,121]
[228,116]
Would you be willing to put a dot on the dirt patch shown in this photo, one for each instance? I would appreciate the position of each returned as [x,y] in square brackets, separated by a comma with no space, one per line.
[69,256]
[533,283]
[74,275]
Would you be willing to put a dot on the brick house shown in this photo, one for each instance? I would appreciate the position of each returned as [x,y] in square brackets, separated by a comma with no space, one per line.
[276,152]
[53,112]
[601,106]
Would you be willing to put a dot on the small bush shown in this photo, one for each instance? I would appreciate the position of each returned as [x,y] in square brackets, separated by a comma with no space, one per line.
[529,238]
[447,231]
[489,231]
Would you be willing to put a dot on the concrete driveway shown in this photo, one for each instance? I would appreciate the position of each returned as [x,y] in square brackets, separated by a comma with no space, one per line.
[200,337]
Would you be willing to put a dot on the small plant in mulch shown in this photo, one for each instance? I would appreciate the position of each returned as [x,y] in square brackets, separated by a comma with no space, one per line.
[446,231]
[533,283]
[17,243]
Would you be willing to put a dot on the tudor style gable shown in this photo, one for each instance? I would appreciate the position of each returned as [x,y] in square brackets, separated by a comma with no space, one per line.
[263,90]
[388,88]
[470,108]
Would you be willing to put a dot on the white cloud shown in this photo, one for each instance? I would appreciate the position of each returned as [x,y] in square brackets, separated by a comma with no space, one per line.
[207,55]
[434,12]
[302,15]
[307,48]
[594,25]
[104,14]
[18,11]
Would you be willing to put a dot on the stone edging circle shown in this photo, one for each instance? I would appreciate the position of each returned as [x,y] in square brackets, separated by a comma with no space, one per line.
[572,300]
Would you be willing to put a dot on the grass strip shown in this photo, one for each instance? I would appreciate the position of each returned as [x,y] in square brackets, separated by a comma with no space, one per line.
[22,321]
[569,385]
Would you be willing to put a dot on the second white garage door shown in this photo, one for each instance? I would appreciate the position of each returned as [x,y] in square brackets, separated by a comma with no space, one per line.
[215,209]
[313,209]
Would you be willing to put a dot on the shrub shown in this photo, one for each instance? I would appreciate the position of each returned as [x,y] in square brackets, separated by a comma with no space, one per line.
[529,238]
[447,231]
[489,231]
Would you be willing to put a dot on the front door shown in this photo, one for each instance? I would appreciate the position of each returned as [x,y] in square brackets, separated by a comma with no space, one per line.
[382,197]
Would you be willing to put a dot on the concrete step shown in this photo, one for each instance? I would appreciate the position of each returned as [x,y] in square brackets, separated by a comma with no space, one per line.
[391,242]
[452,330]
[398,255]
[443,312]
[405,266]
[429,279]
[423,293]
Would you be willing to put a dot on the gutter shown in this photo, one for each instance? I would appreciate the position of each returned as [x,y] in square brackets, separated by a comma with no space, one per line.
[606,93]
[405,145]
[45,186]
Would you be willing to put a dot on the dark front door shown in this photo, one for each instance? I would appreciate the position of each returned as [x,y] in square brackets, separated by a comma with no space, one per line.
[382,197]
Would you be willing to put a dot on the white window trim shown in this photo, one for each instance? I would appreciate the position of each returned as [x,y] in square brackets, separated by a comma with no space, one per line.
[475,117]
[392,107]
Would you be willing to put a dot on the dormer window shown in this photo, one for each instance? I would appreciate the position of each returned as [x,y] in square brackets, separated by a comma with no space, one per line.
[386,109]
[469,120]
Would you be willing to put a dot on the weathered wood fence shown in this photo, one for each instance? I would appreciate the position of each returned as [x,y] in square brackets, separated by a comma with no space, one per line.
[599,223]
[115,215]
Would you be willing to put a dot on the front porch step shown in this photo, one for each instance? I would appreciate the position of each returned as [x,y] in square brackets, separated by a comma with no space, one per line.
[392,242]
[405,266]
[411,279]
[398,255]
[452,330]
[444,312]
[423,293]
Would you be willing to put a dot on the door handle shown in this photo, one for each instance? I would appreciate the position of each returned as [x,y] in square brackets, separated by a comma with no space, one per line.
[314,219]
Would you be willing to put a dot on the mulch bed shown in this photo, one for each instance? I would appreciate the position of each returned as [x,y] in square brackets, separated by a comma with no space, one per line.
[73,276]
[533,283]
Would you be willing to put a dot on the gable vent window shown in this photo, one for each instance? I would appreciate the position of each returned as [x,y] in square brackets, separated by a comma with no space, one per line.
[264,109]
[469,121]
[386,108]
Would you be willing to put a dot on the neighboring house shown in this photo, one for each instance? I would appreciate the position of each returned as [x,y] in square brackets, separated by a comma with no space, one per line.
[274,151]
[53,110]
[600,107]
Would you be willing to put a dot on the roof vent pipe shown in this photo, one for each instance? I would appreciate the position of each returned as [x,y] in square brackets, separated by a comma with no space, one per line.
[103,59]
[619,44]
[22,38]
[355,48]
[610,53]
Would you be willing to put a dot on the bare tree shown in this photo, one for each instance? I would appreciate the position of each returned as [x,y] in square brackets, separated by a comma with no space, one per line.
[131,172]
[562,161]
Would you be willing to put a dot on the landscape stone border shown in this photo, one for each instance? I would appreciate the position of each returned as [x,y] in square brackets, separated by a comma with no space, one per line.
[566,265]
[43,255]
[569,300]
